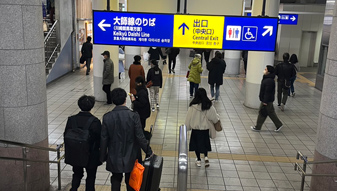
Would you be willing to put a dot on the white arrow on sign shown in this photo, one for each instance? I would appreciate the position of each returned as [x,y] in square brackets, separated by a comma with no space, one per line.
[269,29]
[102,25]
[293,18]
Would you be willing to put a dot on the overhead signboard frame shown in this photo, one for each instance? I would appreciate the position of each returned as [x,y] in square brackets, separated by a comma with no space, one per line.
[185,31]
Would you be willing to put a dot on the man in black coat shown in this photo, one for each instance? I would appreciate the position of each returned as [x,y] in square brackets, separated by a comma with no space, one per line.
[122,136]
[155,54]
[173,53]
[87,53]
[284,71]
[267,97]
[86,103]
[216,69]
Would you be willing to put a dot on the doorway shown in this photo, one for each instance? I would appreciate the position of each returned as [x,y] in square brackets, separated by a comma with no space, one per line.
[307,49]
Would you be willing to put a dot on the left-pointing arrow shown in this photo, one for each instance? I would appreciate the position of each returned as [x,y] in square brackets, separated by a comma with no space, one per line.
[269,29]
[102,25]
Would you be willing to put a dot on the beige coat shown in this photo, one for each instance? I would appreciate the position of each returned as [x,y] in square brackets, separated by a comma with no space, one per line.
[201,120]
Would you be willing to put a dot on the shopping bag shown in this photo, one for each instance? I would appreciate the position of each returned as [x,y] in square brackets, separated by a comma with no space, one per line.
[149,84]
[146,56]
[82,59]
[136,176]
[121,56]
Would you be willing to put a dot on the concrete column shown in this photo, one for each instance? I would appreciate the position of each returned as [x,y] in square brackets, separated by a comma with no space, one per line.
[23,100]
[326,132]
[130,52]
[98,58]
[232,59]
[257,61]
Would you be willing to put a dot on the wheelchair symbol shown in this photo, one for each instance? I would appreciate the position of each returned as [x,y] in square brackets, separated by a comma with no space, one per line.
[249,33]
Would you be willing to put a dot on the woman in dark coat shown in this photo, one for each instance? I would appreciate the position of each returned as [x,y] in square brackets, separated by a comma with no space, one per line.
[140,101]
[216,70]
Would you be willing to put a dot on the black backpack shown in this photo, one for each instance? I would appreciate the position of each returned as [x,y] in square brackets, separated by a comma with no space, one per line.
[76,141]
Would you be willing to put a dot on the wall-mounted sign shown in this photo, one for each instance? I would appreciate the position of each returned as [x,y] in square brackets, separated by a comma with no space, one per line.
[184,31]
[285,19]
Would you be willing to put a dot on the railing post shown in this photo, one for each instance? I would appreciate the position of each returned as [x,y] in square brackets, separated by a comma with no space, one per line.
[24,156]
[182,160]
[59,168]
[304,170]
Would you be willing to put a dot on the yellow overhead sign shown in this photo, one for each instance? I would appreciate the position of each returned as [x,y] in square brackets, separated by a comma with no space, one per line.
[198,31]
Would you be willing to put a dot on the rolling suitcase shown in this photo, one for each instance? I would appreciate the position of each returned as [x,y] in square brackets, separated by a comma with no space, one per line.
[152,173]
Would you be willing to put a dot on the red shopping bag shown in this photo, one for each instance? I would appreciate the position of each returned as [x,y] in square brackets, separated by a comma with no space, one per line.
[136,176]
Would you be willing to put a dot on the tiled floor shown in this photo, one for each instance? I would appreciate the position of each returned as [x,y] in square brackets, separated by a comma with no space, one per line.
[240,159]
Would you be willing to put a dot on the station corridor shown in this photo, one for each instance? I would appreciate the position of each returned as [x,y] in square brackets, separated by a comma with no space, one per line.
[240,159]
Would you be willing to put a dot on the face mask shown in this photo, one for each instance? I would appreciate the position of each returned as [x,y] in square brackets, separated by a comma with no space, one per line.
[154,47]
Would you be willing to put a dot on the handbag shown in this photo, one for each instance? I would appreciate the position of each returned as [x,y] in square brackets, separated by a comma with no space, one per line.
[136,176]
[146,56]
[45,26]
[188,74]
[218,126]
[82,59]
[149,84]
[121,56]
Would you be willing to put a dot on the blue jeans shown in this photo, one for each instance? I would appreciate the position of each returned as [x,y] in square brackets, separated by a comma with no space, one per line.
[292,89]
[193,86]
[217,91]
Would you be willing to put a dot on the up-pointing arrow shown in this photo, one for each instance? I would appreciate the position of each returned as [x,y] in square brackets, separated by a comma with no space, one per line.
[293,18]
[269,29]
[183,26]
[102,25]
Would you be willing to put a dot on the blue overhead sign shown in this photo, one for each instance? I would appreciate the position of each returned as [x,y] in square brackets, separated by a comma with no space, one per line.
[285,19]
[185,31]
[288,19]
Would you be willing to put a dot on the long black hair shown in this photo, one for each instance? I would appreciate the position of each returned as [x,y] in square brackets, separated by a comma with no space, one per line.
[293,59]
[201,97]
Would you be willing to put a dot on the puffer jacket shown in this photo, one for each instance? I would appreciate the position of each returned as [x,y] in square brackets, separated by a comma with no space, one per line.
[195,70]
[121,136]
[200,120]
[267,89]
[108,72]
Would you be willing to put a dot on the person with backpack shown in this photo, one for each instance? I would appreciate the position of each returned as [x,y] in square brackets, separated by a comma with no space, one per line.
[154,76]
[294,62]
[284,71]
[82,138]
[122,136]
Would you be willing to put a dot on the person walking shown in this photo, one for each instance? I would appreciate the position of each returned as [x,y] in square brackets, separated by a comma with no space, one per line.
[140,101]
[108,76]
[294,62]
[156,77]
[164,52]
[86,103]
[121,138]
[155,54]
[284,71]
[216,69]
[201,116]
[121,56]
[86,51]
[194,75]
[136,69]
[244,56]
[207,53]
[172,53]
[267,97]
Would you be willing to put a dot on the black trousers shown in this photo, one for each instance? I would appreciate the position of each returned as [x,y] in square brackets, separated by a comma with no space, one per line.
[116,180]
[271,113]
[207,54]
[89,182]
[143,122]
[106,89]
[87,63]
[174,60]
[282,93]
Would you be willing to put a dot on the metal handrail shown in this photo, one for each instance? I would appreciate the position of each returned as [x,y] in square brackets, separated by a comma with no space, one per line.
[52,54]
[182,159]
[52,29]
[25,160]
[302,169]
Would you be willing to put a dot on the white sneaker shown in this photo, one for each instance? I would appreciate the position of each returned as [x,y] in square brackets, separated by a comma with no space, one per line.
[157,105]
[153,110]
[282,107]
[198,163]
[278,129]
[206,162]
[253,128]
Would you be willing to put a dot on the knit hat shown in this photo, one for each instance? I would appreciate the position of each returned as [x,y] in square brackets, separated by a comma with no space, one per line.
[270,69]
[197,56]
